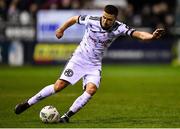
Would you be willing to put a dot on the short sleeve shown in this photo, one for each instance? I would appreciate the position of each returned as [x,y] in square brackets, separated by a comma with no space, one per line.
[125,30]
[83,19]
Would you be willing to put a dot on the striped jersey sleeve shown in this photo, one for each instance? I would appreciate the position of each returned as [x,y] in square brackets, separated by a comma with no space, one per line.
[83,19]
[125,30]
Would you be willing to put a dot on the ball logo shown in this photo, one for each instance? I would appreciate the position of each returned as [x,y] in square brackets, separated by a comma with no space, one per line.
[68,73]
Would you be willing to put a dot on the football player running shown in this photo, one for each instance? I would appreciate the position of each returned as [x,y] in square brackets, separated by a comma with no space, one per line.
[86,61]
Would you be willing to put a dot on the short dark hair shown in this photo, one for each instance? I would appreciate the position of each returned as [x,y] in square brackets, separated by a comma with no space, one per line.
[111,9]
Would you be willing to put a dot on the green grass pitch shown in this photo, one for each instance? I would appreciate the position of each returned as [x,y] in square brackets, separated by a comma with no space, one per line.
[129,96]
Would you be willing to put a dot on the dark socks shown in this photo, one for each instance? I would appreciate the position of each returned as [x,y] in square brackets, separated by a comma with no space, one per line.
[69,114]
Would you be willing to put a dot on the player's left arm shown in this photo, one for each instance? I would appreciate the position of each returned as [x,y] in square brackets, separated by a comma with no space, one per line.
[158,33]
[71,21]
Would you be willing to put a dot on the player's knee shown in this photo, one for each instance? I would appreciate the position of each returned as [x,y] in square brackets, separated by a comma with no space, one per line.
[59,85]
[91,89]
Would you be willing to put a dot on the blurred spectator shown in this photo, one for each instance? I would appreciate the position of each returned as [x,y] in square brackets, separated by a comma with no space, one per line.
[137,20]
[151,13]
[53,6]
[129,14]
[32,11]
[65,4]
[144,13]
[76,4]
[25,18]
[102,3]
[13,12]
[169,20]
[160,8]
[50,4]
[3,10]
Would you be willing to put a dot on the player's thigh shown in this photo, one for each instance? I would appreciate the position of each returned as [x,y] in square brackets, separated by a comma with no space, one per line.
[72,73]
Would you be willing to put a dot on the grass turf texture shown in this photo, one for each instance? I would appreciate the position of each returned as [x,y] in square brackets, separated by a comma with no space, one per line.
[129,96]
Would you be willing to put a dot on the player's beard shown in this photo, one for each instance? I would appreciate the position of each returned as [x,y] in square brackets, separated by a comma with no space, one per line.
[106,26]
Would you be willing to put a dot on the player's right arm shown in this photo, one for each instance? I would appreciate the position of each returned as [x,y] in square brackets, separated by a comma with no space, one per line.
[158,33]
[71,21]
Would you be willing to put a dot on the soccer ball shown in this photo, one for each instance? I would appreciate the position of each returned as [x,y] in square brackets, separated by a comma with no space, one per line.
[49,114]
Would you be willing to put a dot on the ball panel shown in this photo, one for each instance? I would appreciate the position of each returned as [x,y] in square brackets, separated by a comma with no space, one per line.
[49,114]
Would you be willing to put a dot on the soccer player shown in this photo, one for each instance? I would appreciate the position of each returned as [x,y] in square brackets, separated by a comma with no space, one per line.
[87,58]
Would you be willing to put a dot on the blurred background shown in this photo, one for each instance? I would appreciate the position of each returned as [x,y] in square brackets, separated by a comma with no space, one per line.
[143,87]
[27,31]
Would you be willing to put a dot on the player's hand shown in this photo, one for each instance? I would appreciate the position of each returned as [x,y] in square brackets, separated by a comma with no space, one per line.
[59,33]
[158,33]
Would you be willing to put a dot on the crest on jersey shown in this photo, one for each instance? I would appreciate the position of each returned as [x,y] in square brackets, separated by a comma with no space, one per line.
[83,17]
[68,73]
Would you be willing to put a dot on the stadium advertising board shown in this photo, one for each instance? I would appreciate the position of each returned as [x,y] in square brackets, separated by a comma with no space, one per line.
[53,53]
[49,21]
[136,51]
[19,32]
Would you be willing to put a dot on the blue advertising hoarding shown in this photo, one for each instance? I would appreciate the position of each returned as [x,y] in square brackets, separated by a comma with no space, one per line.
[49,21]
